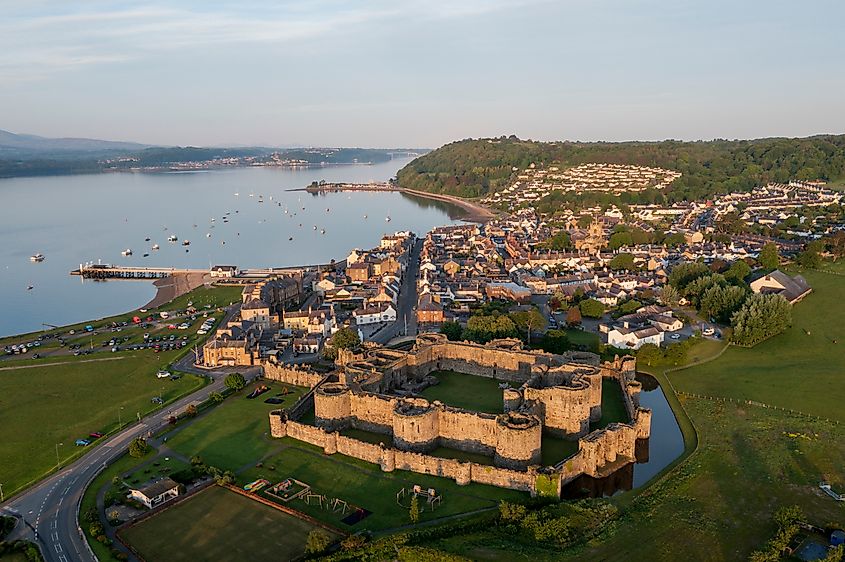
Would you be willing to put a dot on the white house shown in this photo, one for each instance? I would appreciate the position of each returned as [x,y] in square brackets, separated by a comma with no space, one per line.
[383,312]
[622,337]
[155,493]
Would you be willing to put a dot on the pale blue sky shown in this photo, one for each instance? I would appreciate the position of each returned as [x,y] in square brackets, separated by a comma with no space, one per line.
[421,73]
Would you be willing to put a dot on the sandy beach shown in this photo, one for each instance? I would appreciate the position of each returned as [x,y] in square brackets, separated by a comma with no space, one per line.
[175,286]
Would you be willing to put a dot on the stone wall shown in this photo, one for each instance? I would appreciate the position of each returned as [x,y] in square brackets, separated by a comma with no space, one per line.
[558,394]
[291,374]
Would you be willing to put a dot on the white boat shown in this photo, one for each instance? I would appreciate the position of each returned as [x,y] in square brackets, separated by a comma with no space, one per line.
[208,235]
[173,238]
[36,257]
[315,227]
[186,242]
[387,219]
[127,252]
[155,246]
[322,231]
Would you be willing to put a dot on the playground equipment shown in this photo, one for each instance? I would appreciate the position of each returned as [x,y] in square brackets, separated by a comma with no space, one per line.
[288,490]
[258,391]
[340,505]
[256,485]
[430,495]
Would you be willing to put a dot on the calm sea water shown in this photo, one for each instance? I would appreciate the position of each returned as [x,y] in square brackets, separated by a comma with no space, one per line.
[75,219]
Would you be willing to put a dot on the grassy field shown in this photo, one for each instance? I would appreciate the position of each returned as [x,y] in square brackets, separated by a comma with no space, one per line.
[479,394]
[800,369]
[612,405]
[365,485]
[220,525]
[41,407]
[235,433]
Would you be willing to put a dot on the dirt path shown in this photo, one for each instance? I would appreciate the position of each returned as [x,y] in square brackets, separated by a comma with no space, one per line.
[475,212]
[174,286]
[38,366]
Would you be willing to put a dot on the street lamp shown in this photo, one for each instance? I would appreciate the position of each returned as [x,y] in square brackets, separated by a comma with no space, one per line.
[57,453]
[119,418]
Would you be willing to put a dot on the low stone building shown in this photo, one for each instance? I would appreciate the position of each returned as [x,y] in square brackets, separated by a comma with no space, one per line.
[155,493]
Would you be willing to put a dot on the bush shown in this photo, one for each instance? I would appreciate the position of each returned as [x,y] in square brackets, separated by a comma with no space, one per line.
[235,381]
[760,317]
[591,308]
[138,447]
[96,529]
[317,542]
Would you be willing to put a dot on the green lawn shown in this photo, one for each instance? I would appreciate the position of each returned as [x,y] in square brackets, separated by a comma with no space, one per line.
[580,337]
[219,525]
[236,432]
[206,297]
[40,407]
[479,394]
[612,405]
[554,449]
[800,369]
[365,485]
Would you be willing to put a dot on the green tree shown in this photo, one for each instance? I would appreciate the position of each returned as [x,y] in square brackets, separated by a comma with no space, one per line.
[591,308]
[811,257]
[560,241]
[452,330]
[620,239]
[235,381]
[622,261]
[414,510]
[760,317]
[138,447]
[720,302]
[482,328]
[769,257]
[216,397]
[555,341]
[685,273]
[649,354]
[346,338]
[737,272]
[317,542]
[526,320]
[669,295]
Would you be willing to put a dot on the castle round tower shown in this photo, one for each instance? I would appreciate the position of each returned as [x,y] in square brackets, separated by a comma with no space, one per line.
[332,406]
[518,440]
[415,425]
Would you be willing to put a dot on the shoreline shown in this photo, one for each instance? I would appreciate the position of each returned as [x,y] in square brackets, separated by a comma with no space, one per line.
[173,286]
[475,212]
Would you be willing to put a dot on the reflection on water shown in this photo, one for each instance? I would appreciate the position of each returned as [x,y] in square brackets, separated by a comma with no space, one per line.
[73,219]
[653,455]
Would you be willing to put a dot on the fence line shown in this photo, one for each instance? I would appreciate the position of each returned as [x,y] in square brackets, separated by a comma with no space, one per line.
[756,403]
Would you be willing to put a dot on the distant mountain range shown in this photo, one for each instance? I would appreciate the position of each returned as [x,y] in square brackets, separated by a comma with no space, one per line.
[19,144]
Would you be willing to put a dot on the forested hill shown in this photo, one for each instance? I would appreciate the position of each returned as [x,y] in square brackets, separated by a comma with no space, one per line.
[473,168]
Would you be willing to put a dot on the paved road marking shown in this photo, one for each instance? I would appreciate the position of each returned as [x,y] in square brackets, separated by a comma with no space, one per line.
[58,547]
[55,523]
[62,558]
[54,535]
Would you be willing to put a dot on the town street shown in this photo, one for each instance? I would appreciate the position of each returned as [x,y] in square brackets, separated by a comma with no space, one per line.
[406,302]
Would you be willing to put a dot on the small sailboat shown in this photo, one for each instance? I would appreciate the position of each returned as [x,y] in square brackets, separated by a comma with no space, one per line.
[387,219]
[127,252]
[365,217]
[156,246]
[322,231]
[315,227]
[208,235]
[36,258]
[186,242]
[172,238]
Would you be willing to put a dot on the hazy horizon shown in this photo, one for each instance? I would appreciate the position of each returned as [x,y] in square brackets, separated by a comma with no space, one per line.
[420,74]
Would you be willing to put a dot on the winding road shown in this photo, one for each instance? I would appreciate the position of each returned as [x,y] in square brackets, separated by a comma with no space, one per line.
[48,512]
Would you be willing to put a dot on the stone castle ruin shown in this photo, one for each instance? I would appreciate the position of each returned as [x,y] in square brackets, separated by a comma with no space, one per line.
[377,390]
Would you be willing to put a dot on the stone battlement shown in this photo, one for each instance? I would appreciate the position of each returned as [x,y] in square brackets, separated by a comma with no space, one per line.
[557,394]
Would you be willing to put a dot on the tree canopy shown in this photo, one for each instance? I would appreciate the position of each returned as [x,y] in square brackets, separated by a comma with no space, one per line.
[235,381]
